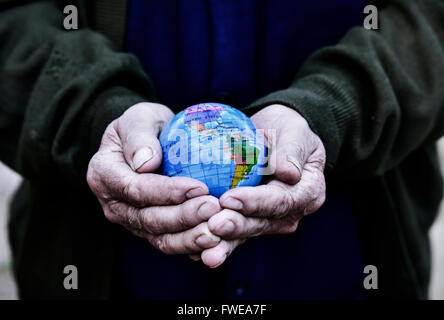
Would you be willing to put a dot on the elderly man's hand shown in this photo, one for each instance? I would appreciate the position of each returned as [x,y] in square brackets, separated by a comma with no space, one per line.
[172,213]
[296,189]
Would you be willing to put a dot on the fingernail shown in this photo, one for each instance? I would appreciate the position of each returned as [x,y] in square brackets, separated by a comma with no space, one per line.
[294,162]
[206,241]
[207,210]
[141,157]
[232,203]
[226,229]
[196,192]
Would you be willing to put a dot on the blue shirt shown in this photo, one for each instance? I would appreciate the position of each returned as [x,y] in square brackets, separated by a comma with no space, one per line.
[235,51]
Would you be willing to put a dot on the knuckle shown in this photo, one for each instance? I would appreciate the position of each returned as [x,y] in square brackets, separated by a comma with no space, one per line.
[316,198]
[132,218]
[321,159]
[111,135]
[311,197]
[320,200]
[149,222]
[189,245]
[132,191]
[186,214]
[240,222]
[290,201]
[201,228]
[167,190]
[111,215]
[259,228]
[285,205]
[113,126]
[92,176]
[290,228]
[174,194]
[251,208]
[253,205]
[162,244]
[264,227]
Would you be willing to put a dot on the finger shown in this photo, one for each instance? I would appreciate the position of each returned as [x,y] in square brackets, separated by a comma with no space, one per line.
[287,159]
[215,256]
[142,152]
[277,199]
[269,201]
[289,141]
[109,169]
[110,178]
[188,242]
[150,189]
[194,256]
[230,225]
[165,219]
[138,129]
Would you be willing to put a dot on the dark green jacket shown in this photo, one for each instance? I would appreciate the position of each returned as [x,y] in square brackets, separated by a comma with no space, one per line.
[376,100]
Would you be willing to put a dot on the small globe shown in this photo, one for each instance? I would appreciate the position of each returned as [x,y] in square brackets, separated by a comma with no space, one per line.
[216,144]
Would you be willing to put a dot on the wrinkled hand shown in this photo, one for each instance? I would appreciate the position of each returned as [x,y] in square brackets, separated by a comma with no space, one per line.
[172,213]
[296,189]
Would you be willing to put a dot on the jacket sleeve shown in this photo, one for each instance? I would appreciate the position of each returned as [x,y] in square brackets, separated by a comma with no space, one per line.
[378,95]
[59,89]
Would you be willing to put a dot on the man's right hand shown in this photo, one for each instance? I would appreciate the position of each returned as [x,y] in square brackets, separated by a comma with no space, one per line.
[172,213]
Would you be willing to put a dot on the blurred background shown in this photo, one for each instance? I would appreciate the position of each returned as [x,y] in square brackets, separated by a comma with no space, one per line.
[10,180]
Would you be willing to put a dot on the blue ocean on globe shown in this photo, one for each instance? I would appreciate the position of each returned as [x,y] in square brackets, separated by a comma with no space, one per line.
[216,144]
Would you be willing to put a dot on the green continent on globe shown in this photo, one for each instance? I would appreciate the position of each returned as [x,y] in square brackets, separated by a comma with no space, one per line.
[244,156]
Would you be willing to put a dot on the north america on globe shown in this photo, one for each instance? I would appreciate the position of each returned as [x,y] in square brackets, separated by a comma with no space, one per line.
[216,144]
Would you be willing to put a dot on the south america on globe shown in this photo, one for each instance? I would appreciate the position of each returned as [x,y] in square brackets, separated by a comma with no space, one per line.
[216,144]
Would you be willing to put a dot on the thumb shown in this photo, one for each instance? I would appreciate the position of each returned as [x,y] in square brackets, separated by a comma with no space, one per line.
[290,141]
[138,129]
[289,158]
[143,152]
